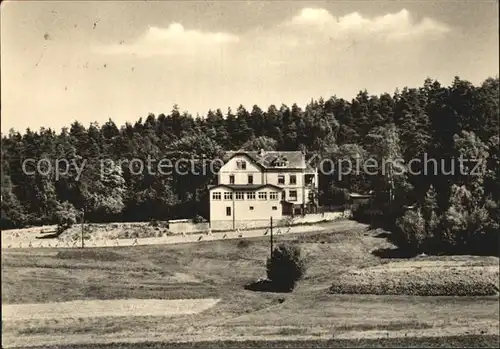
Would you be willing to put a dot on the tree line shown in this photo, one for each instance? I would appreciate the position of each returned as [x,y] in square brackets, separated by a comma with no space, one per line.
[443,122]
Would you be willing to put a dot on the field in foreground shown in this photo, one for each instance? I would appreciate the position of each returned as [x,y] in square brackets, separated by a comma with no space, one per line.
[220,269]
[467,341]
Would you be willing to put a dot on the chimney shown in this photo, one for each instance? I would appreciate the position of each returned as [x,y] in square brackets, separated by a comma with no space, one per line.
[261,152]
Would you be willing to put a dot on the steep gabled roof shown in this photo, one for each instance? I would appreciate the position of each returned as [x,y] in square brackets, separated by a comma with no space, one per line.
[266,159]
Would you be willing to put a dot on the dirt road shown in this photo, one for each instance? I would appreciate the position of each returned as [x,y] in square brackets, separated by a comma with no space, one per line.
[13,239]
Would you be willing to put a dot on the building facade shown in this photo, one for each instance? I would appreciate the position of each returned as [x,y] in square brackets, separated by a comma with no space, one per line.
[254,186]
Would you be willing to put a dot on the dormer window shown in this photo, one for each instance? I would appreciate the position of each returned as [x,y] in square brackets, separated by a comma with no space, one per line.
[241,165]
[280,162]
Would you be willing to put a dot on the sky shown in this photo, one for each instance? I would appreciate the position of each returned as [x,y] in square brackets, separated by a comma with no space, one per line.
[90,61]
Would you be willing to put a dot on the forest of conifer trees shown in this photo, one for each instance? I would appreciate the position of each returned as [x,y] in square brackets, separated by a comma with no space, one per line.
[445,122]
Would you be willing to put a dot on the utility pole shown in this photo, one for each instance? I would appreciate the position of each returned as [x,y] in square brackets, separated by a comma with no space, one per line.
[391,174]
[83,220]
[371,211]
[271,237]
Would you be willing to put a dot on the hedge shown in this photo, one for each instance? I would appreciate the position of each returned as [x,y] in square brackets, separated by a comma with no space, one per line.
[420,281]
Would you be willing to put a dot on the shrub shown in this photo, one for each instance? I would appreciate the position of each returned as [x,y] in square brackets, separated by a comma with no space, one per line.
[287,221]
[198,219]
[452,226]
[371,213]
[413,230]
[464,225]
[432,223]
[286,266]
[66,215]
[360,212]
[338,196]
[13,215]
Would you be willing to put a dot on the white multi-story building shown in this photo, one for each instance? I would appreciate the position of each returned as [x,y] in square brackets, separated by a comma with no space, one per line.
[254,186]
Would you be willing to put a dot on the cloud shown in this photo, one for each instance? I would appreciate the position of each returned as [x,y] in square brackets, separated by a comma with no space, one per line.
[313,16]
[389,27]
[310,34]
[173,40]
[315,51]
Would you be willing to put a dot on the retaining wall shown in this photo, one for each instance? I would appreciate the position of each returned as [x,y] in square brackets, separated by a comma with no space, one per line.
[318,217]
[187,227]
[227,225]
[244,224]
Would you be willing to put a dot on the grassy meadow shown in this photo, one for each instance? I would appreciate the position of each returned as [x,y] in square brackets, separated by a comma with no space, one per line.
[221,269]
